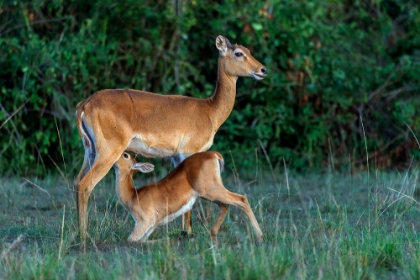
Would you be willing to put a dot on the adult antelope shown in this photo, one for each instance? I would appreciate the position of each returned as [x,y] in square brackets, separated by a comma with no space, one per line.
[161,202]
[153,125]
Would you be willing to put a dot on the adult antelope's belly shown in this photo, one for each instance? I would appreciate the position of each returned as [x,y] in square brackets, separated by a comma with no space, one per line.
[157,148]
[139,147]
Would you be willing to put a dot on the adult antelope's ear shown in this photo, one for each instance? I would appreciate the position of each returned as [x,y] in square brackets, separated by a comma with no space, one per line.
[222,44]
[144,167]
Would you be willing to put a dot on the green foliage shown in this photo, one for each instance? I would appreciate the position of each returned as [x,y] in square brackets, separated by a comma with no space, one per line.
[342,74]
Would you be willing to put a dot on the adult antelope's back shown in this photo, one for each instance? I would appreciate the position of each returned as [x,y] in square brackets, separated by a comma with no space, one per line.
[152,125]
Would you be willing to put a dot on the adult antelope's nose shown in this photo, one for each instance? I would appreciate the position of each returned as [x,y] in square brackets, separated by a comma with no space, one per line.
[264,71]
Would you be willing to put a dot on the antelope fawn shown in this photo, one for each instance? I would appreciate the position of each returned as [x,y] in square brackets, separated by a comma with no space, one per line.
[161,202]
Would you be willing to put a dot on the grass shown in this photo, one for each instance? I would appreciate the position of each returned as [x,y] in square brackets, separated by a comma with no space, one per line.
[330,226]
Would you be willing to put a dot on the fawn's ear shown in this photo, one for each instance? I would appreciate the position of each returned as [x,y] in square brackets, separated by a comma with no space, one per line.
[144,167]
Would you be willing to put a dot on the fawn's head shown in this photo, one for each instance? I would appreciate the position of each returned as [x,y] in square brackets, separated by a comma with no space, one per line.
[127,163]
[237,60]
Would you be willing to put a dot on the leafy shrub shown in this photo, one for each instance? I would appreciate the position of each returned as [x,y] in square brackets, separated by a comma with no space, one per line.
[343,75]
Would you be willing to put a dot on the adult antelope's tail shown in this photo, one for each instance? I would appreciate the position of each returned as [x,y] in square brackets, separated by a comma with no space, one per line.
[81,126]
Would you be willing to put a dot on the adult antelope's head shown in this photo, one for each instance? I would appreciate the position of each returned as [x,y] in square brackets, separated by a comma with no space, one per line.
[237,60]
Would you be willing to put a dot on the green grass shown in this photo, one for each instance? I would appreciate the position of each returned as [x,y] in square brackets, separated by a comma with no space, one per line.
[331,226]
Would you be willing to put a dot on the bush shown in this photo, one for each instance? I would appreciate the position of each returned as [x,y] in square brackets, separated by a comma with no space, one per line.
[343,75]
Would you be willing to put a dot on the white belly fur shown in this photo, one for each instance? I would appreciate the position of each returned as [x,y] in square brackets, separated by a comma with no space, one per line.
[137,146]
[207,145]
[182,210]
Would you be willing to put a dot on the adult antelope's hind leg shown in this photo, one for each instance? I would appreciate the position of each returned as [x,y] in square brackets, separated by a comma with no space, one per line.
[100,167]
[87,163]
[88,160]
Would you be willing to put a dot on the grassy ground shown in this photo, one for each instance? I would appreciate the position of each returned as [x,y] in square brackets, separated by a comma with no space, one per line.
[331,226]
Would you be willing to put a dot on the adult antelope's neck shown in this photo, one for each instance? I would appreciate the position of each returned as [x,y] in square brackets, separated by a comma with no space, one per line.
[223,98]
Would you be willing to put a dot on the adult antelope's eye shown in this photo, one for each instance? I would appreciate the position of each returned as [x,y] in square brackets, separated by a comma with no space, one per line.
[126,156]
[238,54]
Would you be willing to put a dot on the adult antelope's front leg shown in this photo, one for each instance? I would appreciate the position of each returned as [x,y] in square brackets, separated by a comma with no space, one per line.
[186,217]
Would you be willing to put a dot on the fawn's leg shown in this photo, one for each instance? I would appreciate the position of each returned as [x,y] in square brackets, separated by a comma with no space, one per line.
[222,213]
[220,194]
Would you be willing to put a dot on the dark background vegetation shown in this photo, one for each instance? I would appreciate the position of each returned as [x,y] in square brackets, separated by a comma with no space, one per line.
[343,83]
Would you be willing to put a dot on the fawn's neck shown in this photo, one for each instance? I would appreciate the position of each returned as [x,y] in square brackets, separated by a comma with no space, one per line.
[124,186]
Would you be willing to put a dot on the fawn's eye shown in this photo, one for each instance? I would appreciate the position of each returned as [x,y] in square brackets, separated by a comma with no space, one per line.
[126,156]
[238,54]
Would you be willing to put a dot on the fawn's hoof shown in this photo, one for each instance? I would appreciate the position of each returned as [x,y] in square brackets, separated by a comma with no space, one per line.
[186,234]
